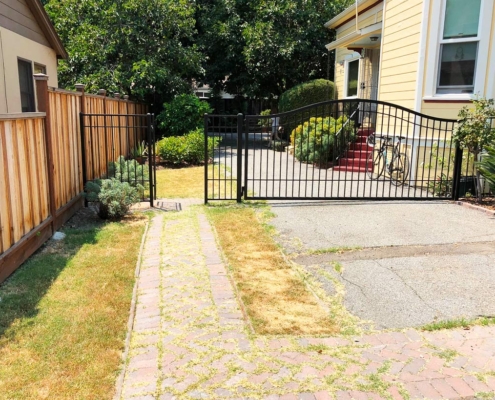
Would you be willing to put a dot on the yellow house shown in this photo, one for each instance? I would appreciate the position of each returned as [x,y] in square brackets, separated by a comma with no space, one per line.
[430,56]
[28,45]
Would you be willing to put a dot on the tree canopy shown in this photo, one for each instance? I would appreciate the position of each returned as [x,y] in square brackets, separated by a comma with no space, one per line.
[154,49]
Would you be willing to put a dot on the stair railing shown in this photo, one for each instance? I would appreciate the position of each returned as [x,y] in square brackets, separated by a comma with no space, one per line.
[343,149]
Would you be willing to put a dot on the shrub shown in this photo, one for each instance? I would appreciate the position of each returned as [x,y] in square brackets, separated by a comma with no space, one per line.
[305,94]
[265,122]
[183,114]
[114,198]
[487,166]
[188,149]
[316,140]
[129,171]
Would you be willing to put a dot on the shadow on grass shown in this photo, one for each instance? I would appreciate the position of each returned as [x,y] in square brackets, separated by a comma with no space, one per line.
[21,293]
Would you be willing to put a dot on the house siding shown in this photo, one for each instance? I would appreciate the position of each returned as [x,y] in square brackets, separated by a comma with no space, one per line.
[400,52]
[16,16]
[14,46]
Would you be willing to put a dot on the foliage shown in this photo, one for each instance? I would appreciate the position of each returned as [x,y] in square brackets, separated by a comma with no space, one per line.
[316,140]
[144,48]
[487,166]
[129,171]
[188,149]
[265,122]
[265,48]
[114,197]
[305,94]
[140,150]
[474,131]
[183,114]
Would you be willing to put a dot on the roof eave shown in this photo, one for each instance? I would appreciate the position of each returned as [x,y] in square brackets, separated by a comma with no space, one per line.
[47,27]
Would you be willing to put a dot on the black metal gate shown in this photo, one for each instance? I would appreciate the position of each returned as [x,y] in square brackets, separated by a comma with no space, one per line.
[120,146]
[343,149]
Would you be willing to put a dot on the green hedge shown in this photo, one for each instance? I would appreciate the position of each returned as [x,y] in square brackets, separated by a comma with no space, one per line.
[305,94]
[188,149]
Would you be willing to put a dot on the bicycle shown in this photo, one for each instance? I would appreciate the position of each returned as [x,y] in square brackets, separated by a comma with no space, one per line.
[377,161]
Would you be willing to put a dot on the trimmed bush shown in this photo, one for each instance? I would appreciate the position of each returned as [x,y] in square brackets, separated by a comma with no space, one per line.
[183,114]
[188,149]
[114,198]
[316,140]
[305,94]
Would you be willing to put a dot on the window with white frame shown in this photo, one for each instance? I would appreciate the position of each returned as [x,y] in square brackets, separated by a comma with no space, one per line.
[352,78]
[459,47]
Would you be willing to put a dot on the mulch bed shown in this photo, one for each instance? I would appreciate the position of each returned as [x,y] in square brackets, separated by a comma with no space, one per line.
[488,202]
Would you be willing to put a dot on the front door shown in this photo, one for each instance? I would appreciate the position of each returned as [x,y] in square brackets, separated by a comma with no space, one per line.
[368,87]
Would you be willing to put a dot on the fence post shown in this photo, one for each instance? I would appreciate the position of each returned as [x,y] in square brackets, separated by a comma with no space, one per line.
[456,179]
[80,88]
[44,106]
[207,156]
[150,155]
[240,132]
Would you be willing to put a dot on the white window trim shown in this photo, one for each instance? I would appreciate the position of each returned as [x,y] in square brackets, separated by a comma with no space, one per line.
[434,43]
[355,57]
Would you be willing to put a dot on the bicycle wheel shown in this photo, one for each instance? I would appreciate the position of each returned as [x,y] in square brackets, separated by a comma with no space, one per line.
[399,169]
[375,164]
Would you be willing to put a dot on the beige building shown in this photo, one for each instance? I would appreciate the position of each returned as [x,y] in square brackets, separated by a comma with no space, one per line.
[431,56]
[28,45]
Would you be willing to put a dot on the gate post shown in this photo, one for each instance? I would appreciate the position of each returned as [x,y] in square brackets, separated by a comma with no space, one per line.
[240,118]
[206,156]
[456,179]
[150,163]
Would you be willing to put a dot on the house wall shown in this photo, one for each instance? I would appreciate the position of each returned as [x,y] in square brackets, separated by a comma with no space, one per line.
[450,110]
[368,18]
[400,52]
[12,47]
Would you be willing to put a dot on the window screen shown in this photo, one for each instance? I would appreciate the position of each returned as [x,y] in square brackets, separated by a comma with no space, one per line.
[26,85]
[461,18]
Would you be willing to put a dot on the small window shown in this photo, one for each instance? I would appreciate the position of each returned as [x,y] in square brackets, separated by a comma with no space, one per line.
[352,78]
[39,69]
[26,85]
[459,47]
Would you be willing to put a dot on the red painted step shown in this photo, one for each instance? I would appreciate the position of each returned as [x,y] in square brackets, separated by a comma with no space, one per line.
[354,159]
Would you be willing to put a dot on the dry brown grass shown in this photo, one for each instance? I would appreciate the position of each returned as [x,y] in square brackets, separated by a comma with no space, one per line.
[63,315]
[276,298]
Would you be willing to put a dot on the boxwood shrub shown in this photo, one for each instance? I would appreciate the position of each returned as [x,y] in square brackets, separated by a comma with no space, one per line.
[316,140]
[305,94]
[188,149]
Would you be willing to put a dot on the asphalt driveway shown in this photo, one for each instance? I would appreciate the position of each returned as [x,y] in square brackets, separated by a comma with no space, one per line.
[402,264]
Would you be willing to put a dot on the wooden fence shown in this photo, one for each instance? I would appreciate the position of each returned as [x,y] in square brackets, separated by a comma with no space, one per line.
[41,163]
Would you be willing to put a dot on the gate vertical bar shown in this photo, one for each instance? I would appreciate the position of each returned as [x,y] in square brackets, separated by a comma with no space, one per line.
[150,155]
[456,179]
[206,157]
[240,132]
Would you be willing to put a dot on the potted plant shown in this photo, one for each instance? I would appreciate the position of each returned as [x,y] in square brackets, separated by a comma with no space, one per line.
[140,152]
[265,123]
[474,132]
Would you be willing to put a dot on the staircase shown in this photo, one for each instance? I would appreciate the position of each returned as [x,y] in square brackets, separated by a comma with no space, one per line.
[354,160]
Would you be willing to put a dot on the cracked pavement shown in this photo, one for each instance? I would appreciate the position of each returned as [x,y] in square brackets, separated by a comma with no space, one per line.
[404,264]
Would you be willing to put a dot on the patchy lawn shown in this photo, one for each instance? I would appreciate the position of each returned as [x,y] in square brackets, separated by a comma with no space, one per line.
[275,296]
[63,314]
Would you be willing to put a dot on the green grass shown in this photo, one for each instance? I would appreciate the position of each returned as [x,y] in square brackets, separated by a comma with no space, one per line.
[333,250]
[459,323]
[63,314]
[189,183]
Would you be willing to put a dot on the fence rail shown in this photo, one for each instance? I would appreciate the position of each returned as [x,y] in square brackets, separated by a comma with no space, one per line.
[41,166]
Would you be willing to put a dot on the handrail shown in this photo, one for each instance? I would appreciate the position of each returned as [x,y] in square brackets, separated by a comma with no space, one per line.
[344,125]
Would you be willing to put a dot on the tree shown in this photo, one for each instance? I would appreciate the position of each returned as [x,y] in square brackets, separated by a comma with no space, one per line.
[143,48]
[265,47]
[474,132]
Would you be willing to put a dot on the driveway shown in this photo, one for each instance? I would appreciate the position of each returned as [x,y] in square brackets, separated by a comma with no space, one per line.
[402,264]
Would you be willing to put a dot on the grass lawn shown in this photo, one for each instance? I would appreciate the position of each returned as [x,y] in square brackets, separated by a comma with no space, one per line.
[189,183]
[63,314]
[276,298]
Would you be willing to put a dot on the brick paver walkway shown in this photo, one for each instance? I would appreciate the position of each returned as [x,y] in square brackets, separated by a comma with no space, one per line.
[190,340]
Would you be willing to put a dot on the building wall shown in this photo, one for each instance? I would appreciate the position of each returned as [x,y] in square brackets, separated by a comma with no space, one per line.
[369,18]
[12,47]
[400,52]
